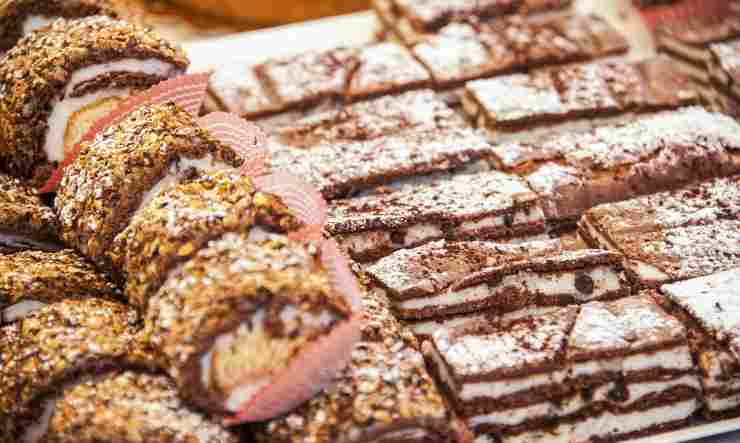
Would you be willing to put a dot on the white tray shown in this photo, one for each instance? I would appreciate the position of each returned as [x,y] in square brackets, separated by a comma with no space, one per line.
[358,29]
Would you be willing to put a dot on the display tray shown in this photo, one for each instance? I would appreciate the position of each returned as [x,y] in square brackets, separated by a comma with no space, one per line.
[362,28]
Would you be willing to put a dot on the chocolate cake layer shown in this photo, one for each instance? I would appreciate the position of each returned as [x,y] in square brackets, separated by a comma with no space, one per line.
[56,344]
[122,170]
[670,236]
[104,407]
[40,118]
[21,17]
[339,169]
[496,277]
[466,51]
[236,314]
[368,120]
[384,395]
[577,171]
[524,361]
[486,205]
[25,222]
[30,280]
[559,95]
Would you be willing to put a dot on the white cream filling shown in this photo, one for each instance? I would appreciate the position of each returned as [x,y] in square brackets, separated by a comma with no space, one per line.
[243,393]
[64,108]
[174,175]
[717,403]
[638,391]
[366,242]
[420,233]
[429,327]
[506,387]
[678,359]
[36,22]
[607,424]
[20,310]
[547,284]
[647,273]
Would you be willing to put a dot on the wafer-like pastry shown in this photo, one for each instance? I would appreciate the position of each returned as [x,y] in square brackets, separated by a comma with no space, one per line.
[555,96]
[604,371]
[21,17]
[708,308]
[670,236]
[57,83]
[244,315]
[574,172]
[724,71]
[122,170]
[30,280]
[25,222]
[486,205]
[451,278]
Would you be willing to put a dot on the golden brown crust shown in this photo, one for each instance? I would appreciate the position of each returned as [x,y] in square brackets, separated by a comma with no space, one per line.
[102,189]
[23,213]
[34,73]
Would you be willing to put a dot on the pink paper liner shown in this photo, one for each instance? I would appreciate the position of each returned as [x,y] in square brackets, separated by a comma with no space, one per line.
[187,91]
[342,278]
[244,137]
[312,370]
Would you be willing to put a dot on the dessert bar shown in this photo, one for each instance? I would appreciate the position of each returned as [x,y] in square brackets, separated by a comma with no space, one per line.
[602,371]
[485,205]
[30,280]
[58,82]
[465,51]
[443,278]
[573,172]
[670,236]
[558,96]
[20,18]
[25,222]
[341,169]
[708,306]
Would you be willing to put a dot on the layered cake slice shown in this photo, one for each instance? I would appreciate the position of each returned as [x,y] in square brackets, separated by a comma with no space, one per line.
[724,70]
[708,306]
[670,236]
[465,51]
[485,205]
[602,371]
[561,96]
[576,171]
[25,222]
[341,169]
[444,278]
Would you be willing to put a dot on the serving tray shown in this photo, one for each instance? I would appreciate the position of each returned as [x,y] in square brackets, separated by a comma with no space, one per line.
[362,28]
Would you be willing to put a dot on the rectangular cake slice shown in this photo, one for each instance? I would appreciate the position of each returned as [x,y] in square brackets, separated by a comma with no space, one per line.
[647,154]
[444,278]
[485,205]
[237,89]
[708,307]
[558,96]
[671,236]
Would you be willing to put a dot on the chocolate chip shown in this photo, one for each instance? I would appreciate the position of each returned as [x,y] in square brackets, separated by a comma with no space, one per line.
[584,284]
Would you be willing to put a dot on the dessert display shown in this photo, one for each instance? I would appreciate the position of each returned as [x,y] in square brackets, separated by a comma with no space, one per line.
[32,279]
[25,222]
[670,236]
[56,83]
[508,227]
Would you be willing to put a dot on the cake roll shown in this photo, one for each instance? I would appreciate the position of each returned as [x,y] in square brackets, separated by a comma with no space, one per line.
[496,205]
[601,372]
[30,280]
[120,172]
[724,71]
[671,236]
[411,20]
[75,371]
[573,172]
[466,51]
[19,18]
[558,97]
[251,327]
[371,119]
[444,278]
[25,221]
[57,83]
[707,306]
[341,169]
